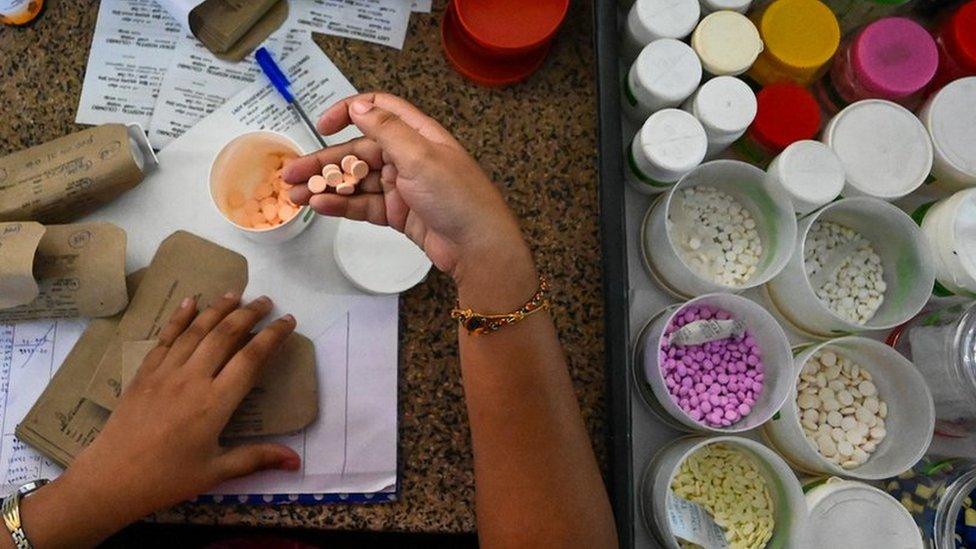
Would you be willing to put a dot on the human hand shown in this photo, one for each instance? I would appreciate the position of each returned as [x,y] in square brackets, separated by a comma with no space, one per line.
[160,446]
[421,182]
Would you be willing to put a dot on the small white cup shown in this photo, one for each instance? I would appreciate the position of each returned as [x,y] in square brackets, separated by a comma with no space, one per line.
[238,150]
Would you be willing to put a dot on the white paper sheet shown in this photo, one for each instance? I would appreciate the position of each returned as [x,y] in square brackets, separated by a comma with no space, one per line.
[180,9]
[351,447]
[420,6]
[30,354]
[379,21]
[197,83]
[347,449]
[130,52]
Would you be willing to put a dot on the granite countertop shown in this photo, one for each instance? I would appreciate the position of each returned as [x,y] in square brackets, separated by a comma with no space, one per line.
[537,140]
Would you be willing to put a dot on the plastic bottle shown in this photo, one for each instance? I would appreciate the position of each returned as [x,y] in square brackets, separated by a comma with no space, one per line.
[800,37]
[956,40]
[893,58]
[785,113]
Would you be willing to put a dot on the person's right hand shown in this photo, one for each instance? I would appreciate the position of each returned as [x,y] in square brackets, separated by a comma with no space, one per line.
[422,183]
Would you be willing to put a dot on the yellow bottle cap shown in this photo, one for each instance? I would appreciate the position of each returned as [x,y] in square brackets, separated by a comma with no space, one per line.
[800,36]
[727,43]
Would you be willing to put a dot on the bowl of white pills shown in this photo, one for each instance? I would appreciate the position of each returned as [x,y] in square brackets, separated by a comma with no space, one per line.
[721,228]
[753,500]
[858,409]
[859,264]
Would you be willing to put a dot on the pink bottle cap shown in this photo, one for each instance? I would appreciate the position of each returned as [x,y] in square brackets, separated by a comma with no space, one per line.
[894,58]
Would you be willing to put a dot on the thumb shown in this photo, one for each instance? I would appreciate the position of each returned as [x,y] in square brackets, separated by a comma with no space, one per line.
[405,146]
[251,458]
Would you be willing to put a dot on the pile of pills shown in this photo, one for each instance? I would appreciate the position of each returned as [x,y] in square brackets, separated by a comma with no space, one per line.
[730,486]
[717,382]
[841,413]
[266,206]
[343,176]
[844,270]
[715,235]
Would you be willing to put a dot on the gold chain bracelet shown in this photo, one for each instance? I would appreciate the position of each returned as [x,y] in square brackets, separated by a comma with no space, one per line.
[479,324]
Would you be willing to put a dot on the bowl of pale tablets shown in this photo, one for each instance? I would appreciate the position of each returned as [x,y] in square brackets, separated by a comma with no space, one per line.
[249,192]
[753,499]
[722,227]
[858,409]
[859,264]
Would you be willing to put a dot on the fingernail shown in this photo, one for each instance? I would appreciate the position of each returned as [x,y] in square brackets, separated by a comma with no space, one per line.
[361,107]
[230,294]
[288,318]
[264,300]
[186,302]
[290,463]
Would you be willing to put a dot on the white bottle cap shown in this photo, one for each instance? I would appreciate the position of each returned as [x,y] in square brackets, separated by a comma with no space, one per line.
[670,144]
[665,73]
[950,226]
[727,42]
[725,106]
[845,513]
[950,116]
[741,6]
[884,148]
[650,20]
[378,259]
[809,172]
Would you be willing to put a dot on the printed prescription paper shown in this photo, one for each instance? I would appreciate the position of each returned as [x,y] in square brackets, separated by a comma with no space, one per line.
[379,21]
[132,47]
[197,83]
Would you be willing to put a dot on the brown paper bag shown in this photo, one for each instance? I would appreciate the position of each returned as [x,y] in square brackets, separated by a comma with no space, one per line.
[61,271]
[236,25]
[184,265]
[62,180]
[284,399]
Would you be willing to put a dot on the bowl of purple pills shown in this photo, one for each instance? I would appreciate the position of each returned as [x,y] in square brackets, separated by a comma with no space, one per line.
[718,363]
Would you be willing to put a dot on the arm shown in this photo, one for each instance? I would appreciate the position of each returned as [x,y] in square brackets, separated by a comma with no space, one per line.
[527,433]
[160,446]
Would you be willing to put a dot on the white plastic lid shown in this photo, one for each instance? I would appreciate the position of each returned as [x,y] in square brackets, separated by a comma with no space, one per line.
[951,120]
[377,259]
[810,173]
[669,69]
[673,140]
[845,513]
[950,226]
[667,18]
[884,148]
[725,105]
[741,6]
[727,42]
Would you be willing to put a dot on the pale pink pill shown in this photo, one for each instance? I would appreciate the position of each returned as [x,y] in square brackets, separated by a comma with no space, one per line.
[333,178]
[317,184]
[330,168]
[345,189]
[349,179]
[347,162]
[359,169]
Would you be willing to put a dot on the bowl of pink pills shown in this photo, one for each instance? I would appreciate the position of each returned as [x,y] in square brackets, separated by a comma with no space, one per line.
[717,363]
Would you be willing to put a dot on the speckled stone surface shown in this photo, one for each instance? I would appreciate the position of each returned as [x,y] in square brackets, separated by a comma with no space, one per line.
[537,140]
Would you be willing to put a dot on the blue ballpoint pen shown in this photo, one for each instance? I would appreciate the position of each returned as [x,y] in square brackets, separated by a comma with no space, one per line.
[281,83]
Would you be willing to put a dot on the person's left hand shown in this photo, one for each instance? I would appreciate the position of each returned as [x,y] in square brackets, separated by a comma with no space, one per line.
[160,446]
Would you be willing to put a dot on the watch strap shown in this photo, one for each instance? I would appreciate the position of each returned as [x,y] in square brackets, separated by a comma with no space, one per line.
[10,510]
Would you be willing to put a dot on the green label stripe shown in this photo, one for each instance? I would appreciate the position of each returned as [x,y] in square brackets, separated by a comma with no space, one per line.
[632,162]
[811,485]
[629,93]
[919,214]
[308,214]
[940,290]
[935,467]
[752,152]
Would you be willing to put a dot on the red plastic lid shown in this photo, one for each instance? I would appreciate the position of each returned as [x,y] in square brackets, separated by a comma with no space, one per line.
[785,113]
[511,26]
[961,36]
[469,60]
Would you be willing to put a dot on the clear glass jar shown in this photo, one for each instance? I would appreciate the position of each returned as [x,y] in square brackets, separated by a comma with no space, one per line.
[941,343]
[937,493]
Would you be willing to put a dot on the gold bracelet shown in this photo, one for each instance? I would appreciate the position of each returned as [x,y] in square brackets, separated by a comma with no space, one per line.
[479,324]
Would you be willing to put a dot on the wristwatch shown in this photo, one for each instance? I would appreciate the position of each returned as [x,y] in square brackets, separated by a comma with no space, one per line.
[11,513]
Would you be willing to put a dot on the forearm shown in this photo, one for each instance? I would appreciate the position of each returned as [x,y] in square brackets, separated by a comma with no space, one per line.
[536,476]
